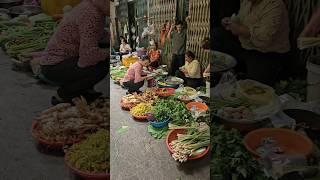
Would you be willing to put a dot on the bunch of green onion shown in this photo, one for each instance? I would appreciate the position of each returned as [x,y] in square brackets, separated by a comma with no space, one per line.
[194,142]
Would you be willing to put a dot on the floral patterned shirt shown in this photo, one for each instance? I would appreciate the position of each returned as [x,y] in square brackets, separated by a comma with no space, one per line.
[78,35]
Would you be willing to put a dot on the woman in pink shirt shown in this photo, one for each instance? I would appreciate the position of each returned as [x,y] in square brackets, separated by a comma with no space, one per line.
[73,58]
[134,78]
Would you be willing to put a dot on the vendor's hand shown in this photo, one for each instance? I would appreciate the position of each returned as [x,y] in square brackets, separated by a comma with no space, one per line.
[205,74]
[226,21]
[173,25]
[310,31]
[313,27]
[149,77]
[238,29]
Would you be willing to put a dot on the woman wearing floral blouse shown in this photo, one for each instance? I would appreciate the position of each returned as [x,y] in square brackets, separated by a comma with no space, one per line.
[73,58]
[258,38]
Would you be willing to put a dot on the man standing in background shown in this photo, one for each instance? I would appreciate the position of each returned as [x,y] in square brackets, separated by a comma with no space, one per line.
[179,39]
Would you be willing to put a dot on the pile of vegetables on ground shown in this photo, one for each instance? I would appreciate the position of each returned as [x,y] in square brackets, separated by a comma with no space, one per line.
[229,157]
[67,123]
[117,73]
[91,155]
[21,37]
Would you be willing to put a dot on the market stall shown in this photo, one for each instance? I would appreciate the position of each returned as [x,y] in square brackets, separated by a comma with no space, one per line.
[167,123]
[161,127]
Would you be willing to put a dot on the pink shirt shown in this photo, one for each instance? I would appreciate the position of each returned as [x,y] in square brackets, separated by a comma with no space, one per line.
[134,73]
[77,36]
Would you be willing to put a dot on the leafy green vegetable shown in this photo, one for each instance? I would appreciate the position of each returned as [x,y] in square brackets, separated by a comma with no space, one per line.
[20,39]
[229,157]
[173,109]
[296,88]
[158,133]
[202,89]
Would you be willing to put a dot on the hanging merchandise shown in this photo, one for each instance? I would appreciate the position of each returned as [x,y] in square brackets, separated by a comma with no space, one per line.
[144,33]
[133,30]
[151,29]
[125,29]
[127,38]
[152,42]
[138,41]
[148,31]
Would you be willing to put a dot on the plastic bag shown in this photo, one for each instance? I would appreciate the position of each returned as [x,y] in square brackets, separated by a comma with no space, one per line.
[226,86]
[276,164]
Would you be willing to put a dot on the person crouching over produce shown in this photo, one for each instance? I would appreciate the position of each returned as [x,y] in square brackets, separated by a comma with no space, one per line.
[190,72]
[72,58]
[134,78]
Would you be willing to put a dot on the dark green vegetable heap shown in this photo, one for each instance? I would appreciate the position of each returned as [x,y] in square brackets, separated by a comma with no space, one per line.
[92,155]
[173,109]
[295,88]
[229,158]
